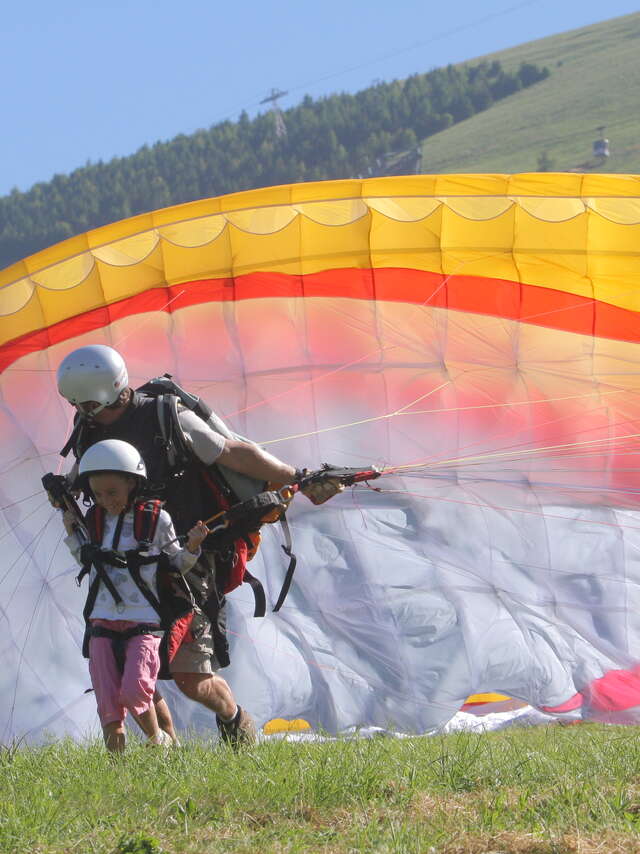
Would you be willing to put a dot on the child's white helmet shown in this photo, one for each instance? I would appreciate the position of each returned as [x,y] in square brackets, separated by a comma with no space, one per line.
[96,372]
[112,455]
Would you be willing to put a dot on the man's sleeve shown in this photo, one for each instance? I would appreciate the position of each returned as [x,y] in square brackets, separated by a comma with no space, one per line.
[207,445]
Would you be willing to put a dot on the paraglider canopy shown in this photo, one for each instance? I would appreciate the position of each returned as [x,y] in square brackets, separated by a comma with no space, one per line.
[475,336]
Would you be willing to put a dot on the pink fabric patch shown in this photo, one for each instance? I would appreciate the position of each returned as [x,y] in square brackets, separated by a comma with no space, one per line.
[569,706]
[616,691]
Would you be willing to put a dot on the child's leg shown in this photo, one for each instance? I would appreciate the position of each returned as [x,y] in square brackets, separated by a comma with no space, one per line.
[163,713]
[106,679]
[149,724]
[142,663]
[114,737]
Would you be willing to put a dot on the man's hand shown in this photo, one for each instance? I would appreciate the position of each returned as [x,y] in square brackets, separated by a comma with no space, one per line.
[322,490]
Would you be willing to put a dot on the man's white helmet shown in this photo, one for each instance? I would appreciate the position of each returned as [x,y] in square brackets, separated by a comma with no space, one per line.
[112,455]
[95,373]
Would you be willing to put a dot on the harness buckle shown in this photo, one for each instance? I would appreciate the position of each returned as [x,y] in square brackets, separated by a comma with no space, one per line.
[287,492]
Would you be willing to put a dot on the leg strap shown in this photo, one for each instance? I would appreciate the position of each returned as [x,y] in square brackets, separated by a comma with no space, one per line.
[119,639]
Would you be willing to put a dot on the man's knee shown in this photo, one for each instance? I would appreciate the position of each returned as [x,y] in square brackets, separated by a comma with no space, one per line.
[204,688]
[191,684]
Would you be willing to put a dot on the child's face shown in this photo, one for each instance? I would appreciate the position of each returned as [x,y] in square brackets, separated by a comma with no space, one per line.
[112,491]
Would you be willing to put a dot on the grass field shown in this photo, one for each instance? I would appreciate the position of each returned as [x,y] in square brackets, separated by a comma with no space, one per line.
[595,78]
[545,790]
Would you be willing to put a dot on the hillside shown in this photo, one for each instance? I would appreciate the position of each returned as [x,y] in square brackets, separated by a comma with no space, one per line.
[499,113]
[339,136]
[594,80]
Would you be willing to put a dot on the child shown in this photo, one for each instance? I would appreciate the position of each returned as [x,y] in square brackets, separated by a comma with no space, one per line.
[123,628]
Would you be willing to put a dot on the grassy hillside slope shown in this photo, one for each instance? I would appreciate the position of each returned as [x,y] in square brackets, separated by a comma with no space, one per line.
[595,80]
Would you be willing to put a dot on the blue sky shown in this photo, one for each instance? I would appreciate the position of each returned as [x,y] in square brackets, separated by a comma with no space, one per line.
[87,81]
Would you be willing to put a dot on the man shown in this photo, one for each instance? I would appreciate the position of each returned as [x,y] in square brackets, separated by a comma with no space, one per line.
[94,379]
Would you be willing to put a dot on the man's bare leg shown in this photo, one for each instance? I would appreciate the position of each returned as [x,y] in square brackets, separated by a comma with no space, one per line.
[235,726]
[209,690]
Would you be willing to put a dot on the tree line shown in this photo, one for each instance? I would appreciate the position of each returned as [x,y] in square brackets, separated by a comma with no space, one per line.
[338,136]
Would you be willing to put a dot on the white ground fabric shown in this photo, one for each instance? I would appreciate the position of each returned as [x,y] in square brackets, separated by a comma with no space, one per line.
[397,613]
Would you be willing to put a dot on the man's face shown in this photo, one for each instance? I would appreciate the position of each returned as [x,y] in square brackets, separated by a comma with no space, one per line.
[107,415]
[112,491]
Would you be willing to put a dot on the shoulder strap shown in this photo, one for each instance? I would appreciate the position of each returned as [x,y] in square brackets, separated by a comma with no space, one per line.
[94,520]
[73,442]
[287,548]
[175,443]
[145,521]
[95,523]
[134,562]
[164,423]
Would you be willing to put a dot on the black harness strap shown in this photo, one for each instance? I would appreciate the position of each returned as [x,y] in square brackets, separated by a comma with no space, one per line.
[115,542]
[259,598]
[134,562]
[102,577]
[293,560]
[71,441]
[145,522]
[98,558]
[146,517]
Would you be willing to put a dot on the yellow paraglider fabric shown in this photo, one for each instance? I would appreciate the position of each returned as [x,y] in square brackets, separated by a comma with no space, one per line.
[552,236]
[279,725]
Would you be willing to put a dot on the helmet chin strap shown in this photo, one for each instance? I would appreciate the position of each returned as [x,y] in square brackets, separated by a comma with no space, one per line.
[89,416]
[121,401]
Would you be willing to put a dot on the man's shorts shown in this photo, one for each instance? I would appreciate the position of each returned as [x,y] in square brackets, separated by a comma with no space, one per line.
[197,655]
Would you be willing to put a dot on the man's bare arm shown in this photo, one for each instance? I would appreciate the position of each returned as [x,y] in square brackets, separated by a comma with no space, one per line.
[255,462]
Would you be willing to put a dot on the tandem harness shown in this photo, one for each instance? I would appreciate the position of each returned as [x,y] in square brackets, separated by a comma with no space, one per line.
[235,534]
[174,604]
[237,524]
[193,490]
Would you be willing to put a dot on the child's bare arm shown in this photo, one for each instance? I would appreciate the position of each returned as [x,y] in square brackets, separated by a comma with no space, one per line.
[69,522]
[195,536]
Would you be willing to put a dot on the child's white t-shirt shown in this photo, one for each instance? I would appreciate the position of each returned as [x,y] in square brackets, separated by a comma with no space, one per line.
[134,606]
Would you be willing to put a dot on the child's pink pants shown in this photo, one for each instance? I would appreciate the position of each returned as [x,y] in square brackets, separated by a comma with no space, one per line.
[133,689]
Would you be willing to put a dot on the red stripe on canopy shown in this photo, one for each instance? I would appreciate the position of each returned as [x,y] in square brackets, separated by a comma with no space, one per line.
[534,304]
